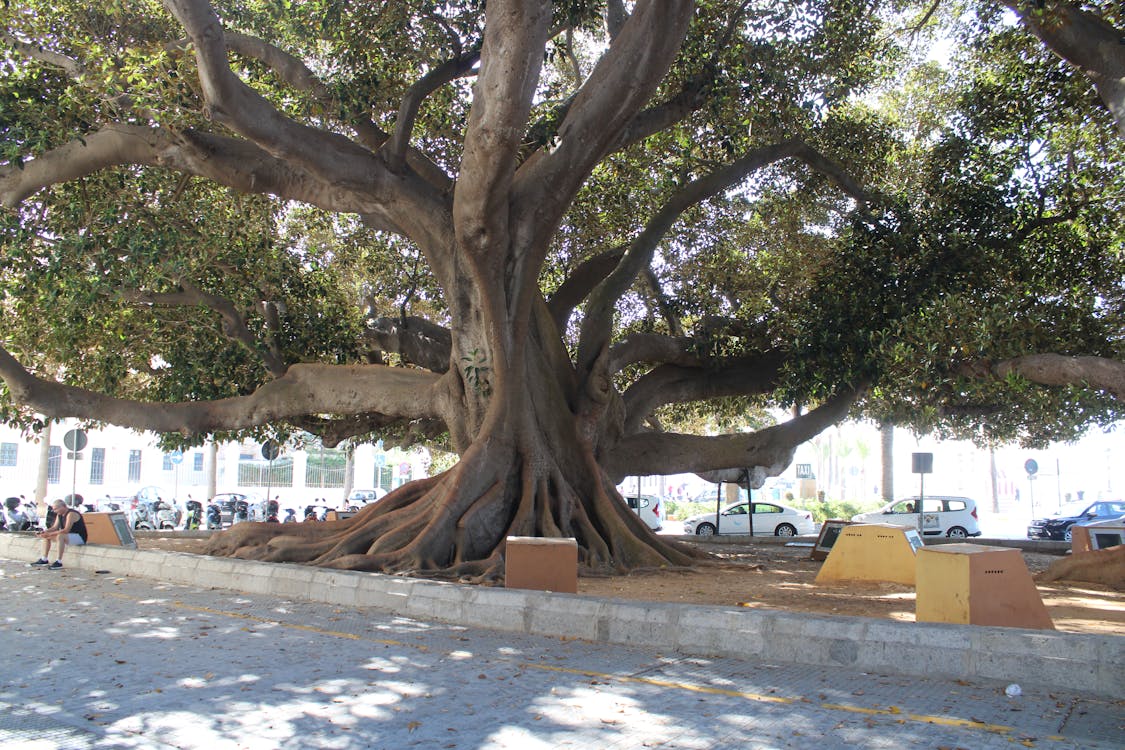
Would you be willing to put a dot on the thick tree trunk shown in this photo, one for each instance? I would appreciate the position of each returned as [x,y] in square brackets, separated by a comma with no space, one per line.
[887,453]
[529,470]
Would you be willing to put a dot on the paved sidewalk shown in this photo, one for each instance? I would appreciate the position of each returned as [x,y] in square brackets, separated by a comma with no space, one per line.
[92,660]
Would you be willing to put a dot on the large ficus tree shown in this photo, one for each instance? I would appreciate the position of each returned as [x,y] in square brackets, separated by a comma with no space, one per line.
[544,233]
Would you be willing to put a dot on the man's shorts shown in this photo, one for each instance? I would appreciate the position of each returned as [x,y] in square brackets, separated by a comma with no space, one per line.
[75,540]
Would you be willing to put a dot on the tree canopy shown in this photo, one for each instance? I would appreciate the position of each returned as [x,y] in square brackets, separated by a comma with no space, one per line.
[571,240]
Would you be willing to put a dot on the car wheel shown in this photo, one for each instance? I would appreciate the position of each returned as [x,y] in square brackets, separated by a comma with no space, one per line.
[1068,536]
[785,529]
[705,529]
[957,533]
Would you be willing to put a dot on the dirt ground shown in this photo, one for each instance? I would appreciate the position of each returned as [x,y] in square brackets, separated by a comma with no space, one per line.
[774,576]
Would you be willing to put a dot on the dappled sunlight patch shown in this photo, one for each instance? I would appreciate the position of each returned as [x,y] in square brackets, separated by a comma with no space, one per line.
[460,655]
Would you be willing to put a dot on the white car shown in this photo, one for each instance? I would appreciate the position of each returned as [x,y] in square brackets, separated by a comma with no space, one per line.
[769,519]
[359,498]
[649,508]
[942,515]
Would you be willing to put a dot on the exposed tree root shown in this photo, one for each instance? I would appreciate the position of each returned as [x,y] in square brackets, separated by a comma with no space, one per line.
[435,527]
[1104,566]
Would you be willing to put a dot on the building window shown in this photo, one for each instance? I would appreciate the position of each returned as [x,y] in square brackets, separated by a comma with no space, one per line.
[54,464]
[168,462]
[384,477]
[134,466]
[8,453]
[97,466]
[197,461]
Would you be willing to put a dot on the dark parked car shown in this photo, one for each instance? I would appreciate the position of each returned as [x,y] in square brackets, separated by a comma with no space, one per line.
[1057,526]
[235,507]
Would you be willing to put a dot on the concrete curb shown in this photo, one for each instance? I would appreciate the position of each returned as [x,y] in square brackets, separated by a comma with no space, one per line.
[1064,661]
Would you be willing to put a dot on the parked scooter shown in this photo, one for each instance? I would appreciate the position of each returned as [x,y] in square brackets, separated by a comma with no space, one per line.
[194,514]
[167,516]
[241,511]
[271,511]
[15,519]
[290,516]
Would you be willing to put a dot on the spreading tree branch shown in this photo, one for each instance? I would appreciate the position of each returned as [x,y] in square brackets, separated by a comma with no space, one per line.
[1086,41]
[1056,369]
[599,310]
[451,70]
[417,340]
[305,389]
[769,451]
[581,281]
[234,324]
[653,348]
[678,384]
[338,163]
[621,83]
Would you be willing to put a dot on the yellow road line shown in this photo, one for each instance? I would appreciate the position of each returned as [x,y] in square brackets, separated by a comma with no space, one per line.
[664,683]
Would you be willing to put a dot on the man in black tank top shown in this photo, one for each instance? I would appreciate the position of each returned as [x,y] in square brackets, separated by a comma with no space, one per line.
[69,528]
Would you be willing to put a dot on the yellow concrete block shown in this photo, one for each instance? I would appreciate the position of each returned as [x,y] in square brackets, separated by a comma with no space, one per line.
[972,584]
[871,552]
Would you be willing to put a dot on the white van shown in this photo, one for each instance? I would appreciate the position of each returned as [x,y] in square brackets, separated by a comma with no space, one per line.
[650,508]
[942,515]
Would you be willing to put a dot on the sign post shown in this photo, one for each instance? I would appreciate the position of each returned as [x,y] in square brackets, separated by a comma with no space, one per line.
[177,457]
[270,451]
[749,504]
[1031,466]
[718,504]
[922,464]
[75,442]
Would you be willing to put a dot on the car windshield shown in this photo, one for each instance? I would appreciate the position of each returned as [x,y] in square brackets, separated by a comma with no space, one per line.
[1071,509]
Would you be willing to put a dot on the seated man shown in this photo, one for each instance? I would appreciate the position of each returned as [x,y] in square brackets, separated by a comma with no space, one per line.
[69,528]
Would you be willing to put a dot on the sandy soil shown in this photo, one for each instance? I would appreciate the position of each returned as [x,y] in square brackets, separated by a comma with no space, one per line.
[767,575]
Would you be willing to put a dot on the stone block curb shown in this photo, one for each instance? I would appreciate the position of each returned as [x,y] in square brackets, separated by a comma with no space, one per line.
[1084,663]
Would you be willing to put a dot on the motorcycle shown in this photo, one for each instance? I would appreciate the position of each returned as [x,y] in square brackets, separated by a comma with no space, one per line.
[14,518]
[194,514]
[214,516]
[271,511]
[290,516]
[241,511]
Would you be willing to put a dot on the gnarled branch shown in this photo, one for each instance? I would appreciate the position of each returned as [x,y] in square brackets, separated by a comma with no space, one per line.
[769,450]
[419,341]
[674,384]
[304,389]
[451,70]
[1086,41]
[1056,369]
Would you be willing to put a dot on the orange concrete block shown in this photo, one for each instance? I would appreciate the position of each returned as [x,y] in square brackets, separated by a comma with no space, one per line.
[1079,539]
[541,564]
[972,584]
[108,528]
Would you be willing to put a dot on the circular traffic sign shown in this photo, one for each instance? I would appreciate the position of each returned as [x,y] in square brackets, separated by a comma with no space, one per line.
[1030,466]
[176,457]
[270,450]
[75,440]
